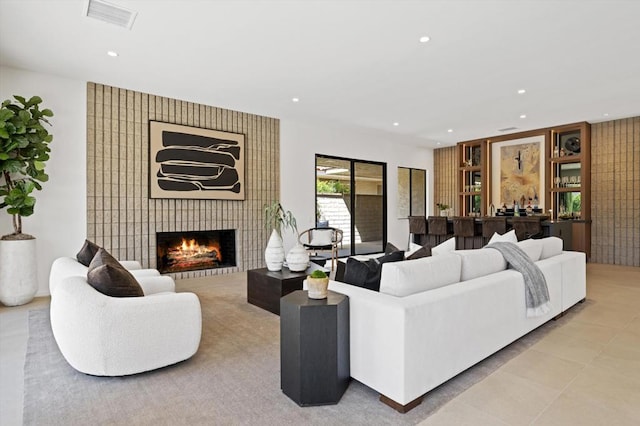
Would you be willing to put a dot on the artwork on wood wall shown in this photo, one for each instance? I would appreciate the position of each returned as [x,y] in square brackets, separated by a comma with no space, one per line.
[518,170]
[194,163]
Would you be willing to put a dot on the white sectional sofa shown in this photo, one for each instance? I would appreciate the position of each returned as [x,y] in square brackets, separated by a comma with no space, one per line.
[116,336]
[437,316]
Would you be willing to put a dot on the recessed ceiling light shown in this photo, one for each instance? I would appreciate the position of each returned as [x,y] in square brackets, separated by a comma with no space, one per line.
[396,124]
[450,130]
[521,91]
[523,115]
[112,53]
[606,114]
[295,100]
[424,39]
[438,143]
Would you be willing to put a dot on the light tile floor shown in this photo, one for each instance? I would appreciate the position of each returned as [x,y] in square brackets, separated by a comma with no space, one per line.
[586,372]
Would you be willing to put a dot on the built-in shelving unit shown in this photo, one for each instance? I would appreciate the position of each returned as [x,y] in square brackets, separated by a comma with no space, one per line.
[569,172]
[471,177]
[567,179]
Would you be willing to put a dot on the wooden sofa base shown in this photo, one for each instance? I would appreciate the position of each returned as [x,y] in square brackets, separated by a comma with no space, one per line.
[399,407]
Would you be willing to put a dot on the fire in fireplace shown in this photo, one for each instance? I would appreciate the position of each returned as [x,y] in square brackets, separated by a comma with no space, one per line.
[194,250]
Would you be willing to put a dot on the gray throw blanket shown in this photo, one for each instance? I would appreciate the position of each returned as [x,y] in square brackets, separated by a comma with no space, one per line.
[536,291]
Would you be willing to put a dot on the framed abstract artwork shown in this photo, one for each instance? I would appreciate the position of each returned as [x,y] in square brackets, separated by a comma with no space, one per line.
[194,163]
[518,171]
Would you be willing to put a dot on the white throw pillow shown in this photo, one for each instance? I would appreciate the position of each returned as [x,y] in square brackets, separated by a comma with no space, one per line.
[321,237]
[480,262]
[551,246]
[532,247]
[509,237]
[415,276]
[445,247]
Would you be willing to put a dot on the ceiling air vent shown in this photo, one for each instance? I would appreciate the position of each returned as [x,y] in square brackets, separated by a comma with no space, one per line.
[110,13]
[507,129]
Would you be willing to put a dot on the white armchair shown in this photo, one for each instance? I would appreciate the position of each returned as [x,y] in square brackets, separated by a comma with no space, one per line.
[116,336]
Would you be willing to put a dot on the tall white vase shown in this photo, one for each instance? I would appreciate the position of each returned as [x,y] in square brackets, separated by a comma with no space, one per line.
[18,279]
[274,253]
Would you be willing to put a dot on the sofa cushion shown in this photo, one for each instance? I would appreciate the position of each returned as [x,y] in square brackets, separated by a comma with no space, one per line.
[413,247]
[415,276]
[367,273]
[444,247]
[509,237]
[321,237]
[110,278]
[86,253]
[551,246]
[424,251]
[532,247]
[480,262]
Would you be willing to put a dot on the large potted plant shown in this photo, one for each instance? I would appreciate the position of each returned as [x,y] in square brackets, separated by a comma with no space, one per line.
[24,150]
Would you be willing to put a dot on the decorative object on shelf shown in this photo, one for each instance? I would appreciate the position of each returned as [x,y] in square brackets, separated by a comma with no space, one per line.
[317,284]
[276,218]
[298,258]
[443,209]
[572,145]
[24,150]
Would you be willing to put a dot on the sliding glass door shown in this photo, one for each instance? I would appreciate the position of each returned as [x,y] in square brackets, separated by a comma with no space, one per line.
[351,196]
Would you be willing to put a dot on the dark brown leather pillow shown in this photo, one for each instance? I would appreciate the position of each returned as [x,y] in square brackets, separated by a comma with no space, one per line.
[86,253]
[110,278]
[424,251]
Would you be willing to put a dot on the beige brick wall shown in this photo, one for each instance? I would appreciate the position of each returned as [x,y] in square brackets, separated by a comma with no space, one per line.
[120,215]
[615,192]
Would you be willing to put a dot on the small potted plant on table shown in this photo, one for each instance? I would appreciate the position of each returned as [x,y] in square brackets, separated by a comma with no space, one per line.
[317,284]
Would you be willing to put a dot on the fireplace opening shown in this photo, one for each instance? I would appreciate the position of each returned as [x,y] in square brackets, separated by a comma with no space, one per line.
[195,250]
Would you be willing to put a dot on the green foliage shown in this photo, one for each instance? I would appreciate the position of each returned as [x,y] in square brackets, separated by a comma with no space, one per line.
[442,206]
[24,150]
[318,274]
[275,217]
[332,187]
[576,203]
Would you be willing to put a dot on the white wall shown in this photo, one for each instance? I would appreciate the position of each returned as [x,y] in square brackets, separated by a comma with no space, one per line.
[59,222]
[300,142]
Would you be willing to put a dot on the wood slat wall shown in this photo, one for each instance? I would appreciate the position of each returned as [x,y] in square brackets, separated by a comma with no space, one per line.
[615,192]
[120,215]
[444,178]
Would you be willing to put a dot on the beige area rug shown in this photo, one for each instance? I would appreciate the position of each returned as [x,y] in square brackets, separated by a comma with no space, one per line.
[234,379]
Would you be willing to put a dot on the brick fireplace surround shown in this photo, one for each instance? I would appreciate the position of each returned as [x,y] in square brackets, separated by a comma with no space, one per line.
[120,215]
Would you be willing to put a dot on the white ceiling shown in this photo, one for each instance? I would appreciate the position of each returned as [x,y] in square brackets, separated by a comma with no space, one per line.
[353,62]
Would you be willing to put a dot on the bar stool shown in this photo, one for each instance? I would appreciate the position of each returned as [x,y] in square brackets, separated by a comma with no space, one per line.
[437,229]
[490,225]
[417,229]
[527,227]
[464,231]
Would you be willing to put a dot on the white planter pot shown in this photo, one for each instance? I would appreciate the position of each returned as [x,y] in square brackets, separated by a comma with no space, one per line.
[274,253]
[298,259]
[18,278]
[317,287]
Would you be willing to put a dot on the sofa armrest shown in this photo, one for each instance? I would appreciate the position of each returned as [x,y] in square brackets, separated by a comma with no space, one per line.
[131,265]
[153,285]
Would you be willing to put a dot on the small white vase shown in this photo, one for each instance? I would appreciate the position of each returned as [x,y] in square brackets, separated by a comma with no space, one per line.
[298,258]
[18,280]
[274,253]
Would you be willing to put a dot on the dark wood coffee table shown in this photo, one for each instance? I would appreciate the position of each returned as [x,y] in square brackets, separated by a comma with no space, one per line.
[265,288]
